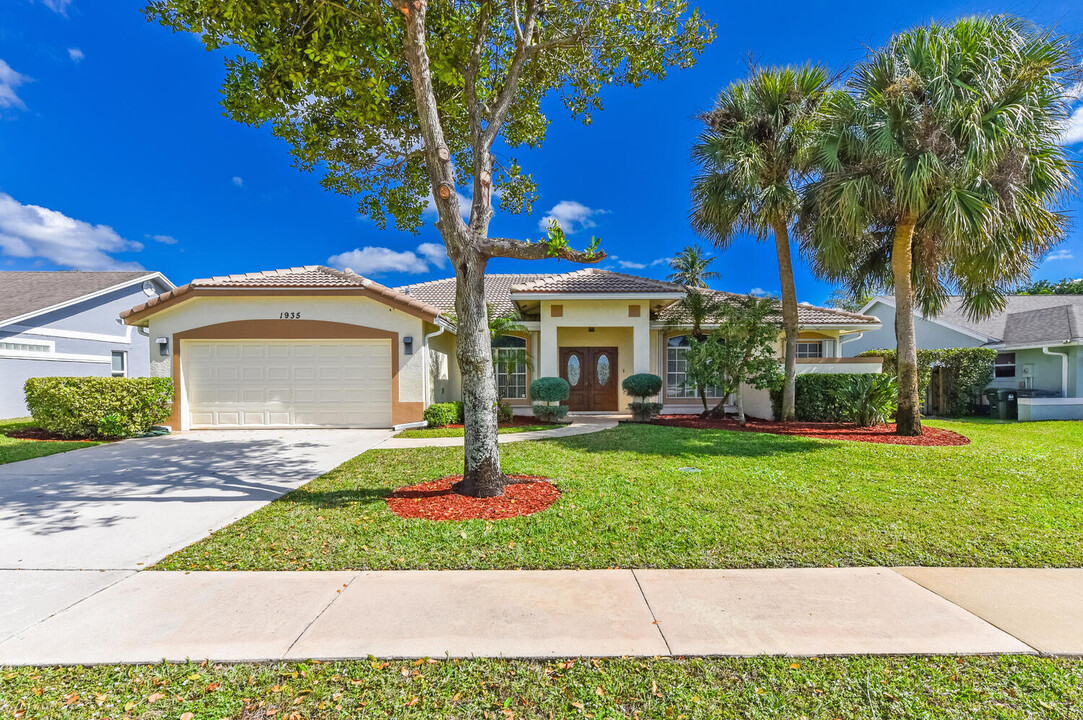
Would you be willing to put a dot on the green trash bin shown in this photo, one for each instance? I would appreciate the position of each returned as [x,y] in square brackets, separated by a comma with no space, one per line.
[998,404]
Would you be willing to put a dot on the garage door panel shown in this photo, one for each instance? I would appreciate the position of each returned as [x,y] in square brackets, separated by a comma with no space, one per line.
[282,383]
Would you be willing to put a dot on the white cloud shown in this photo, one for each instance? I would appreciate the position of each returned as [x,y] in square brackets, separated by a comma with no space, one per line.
[75,54]
[377,260]
[758,292]
[1062,254]
[30,231]
[238,181]
[1073,130]
[629,265]
[661,261]
[164,239]
[434,253]
[9,80]
[573,216]
[57,6]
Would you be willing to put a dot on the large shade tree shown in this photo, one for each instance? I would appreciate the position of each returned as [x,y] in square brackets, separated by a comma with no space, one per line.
[754,155]
[941,169]
[406,102]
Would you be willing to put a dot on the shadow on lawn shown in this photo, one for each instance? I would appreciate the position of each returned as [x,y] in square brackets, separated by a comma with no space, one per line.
[336,498]
[670,441]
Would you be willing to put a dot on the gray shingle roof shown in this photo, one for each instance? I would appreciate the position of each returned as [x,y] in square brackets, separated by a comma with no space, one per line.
[1026,319]
[1041,325]
[806,314]
[23,292]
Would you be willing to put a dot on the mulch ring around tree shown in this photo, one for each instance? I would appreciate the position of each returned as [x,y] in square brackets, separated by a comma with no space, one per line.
[930,437]
[437,500]
[39,435]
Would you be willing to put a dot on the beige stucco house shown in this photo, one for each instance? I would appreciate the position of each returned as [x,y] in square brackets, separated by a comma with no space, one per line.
[314,346]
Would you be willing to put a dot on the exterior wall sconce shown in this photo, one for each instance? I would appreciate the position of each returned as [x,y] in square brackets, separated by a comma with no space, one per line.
[408,344]
[163,346]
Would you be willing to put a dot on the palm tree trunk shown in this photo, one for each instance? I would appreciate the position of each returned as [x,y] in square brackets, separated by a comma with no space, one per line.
[482,476]
[908,417]
[789,319]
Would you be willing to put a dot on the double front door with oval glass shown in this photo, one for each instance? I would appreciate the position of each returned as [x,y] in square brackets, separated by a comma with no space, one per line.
[592,374]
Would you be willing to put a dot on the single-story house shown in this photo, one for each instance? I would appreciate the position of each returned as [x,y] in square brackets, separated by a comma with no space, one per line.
[314,346]
[1038,339]
[65,324]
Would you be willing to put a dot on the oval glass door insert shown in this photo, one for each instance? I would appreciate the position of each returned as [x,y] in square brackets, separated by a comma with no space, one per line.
[573,370]
[603,370]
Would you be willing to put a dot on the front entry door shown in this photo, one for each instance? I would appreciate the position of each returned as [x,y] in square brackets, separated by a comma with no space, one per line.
[592,374]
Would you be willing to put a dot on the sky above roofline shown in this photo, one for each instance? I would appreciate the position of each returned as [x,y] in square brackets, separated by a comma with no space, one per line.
[116,154]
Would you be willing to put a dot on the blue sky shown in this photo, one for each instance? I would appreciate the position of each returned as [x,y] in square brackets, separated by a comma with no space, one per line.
[114,152]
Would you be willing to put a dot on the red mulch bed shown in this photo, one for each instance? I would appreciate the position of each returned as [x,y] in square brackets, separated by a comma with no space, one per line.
[437,500]
[930,437]
[39,435]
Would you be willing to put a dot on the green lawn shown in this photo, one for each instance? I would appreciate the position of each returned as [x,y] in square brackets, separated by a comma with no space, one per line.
[964,688]
[14,449]
[1010,498]
[441,432]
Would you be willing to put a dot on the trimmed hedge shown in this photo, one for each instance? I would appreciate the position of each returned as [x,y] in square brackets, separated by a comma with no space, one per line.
[642,385]
[102,407]
[819,398]
[444,414]
[550,413]
[967,372]
[550,389]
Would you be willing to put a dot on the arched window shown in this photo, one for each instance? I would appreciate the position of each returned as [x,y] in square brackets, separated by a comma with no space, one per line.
[677,370]
[509,361]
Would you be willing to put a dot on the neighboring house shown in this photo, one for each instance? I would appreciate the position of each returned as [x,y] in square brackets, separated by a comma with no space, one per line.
[313,346]
[1038,339]
[66,324]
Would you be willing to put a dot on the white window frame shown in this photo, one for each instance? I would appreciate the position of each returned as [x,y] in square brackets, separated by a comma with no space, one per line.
[124,357]
[677,386]
[510,374]
[807,353]
[998,364]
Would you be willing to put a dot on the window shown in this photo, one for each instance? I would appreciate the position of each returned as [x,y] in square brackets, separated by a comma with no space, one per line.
[26,346]
[1004,365]
[810,349]
[509,360]
[677,370]
[120,363]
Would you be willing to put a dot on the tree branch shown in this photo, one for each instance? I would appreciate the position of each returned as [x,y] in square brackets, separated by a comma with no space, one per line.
[523,250]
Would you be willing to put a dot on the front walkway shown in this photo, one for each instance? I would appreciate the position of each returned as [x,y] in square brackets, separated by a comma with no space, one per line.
[252,616]
[579,426]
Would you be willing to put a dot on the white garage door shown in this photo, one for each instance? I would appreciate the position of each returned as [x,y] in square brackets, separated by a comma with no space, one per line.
[288,383]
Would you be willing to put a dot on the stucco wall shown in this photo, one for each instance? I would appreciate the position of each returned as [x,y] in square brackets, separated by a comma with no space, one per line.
[1046,372]
[620,338]
[448,379]
[929,335]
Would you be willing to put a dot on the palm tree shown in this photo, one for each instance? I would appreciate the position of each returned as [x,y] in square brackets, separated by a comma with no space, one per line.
[690,268]
[940,166]
[754,154]
[699,306]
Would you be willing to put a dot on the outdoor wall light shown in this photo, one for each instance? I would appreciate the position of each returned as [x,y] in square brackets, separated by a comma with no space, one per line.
[408,344]
[163,346]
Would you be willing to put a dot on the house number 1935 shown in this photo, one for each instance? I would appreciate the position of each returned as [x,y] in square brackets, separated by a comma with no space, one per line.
[289,316]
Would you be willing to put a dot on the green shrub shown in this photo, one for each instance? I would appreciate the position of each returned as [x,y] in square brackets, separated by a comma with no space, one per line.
[550,413]
[106,407]
[443,414]
[504,412]
[871,399]
[967,372]
[818,397]
[644,411]
[550,389]
[642,385]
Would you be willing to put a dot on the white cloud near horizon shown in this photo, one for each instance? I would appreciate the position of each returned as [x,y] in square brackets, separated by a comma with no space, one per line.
[371,260]
[758,292]
[76,55]
[1061,254]
[9,80]
[573,216]
[32,231]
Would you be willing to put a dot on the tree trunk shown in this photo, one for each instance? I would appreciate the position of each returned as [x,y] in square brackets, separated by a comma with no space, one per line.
[789,319]
[740,405]
[908,417]
[482,476]
[702,392]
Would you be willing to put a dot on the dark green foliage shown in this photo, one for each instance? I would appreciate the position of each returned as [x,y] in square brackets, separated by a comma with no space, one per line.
[642,385]
[105,407]
[550,389]
[967,372]
[550,413]
[442,414]
[1066,286]
[870,399]
[504,412]
[820,398]
[644,411]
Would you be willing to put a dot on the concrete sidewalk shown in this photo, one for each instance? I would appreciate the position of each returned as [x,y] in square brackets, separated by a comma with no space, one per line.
[580,426]
[251,616]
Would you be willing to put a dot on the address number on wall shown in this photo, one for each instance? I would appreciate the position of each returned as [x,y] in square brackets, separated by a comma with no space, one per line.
[289,316]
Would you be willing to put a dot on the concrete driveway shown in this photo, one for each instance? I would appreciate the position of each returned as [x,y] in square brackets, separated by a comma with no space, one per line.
[129,504]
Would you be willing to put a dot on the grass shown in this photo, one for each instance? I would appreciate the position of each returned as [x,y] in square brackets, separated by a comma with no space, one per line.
[1008,499]
[965,688]
[14,449]
[442,432]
